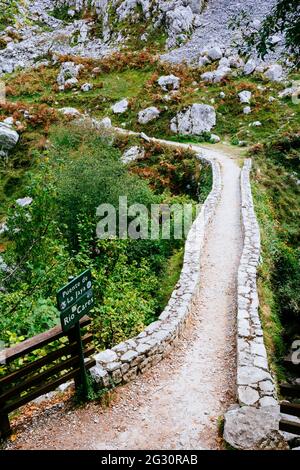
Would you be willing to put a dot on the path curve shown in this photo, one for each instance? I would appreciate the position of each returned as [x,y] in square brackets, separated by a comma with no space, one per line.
[176,405]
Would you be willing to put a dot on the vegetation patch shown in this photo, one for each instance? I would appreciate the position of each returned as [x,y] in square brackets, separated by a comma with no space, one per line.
[276,195]
[55,236]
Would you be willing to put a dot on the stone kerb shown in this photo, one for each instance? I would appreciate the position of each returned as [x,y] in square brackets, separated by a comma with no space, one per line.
[124,361]
[254,424]
[255,386]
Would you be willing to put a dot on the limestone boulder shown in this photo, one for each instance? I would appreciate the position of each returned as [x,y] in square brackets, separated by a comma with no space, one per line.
[8,138]
[195,120]
[148,115]
[250,428]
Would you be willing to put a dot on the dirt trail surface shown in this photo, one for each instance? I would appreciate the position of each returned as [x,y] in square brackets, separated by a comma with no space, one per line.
[177,403]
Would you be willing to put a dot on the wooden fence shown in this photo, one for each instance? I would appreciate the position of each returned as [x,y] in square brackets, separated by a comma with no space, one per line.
[291,405]
[42,375]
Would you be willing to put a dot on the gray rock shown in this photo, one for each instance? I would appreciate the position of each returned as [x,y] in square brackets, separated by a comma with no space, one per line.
[236,61]
[195,120]
[255,124]
[217,75]
[247,110]
[120,107]
[64,387]
[214,139]
[112,366]
[203,61]
[86,87]
[24,201]
[169,82]
[68,71]
[220,73]
[260,68]
[250,428]
[249,67]
[222,95]
[289,92]
[129,356]
[3,265]
[251,375]
[68,111]
[245,96]
[268,401]
[132,154]
[208,76]
[224,62]
[100,376]
[105,122]
[71,83]
[8,137]
[179,23]
[247,395]
[215,53]
[274,73]
[106,356]
[9,121]
[275,39]
[148,114]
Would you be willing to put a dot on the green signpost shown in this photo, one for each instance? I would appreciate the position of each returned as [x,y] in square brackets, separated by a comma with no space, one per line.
[74,300]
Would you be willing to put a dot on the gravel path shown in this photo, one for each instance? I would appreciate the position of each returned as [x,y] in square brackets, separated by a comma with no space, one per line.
[176,405]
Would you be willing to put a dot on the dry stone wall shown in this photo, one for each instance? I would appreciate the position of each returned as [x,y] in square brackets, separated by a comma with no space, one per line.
[123,362]
[255,386]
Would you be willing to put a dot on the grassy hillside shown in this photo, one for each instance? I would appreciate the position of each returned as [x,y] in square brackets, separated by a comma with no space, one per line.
[46,142]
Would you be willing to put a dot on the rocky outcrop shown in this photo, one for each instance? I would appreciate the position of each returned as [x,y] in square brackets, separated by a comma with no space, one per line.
[178,17]
[195,120]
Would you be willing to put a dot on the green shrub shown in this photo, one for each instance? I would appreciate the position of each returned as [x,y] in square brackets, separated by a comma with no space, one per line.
[55,236]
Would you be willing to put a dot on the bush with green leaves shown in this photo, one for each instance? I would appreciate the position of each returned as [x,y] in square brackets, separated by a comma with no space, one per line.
[55,237]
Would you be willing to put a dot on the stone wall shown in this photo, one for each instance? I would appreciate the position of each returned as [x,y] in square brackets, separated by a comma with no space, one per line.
[123,362]
[255,386]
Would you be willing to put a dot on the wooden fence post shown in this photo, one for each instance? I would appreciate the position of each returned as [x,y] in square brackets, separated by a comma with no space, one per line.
[5,429]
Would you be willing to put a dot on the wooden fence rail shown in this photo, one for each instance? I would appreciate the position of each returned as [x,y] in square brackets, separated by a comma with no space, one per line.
[44,374]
